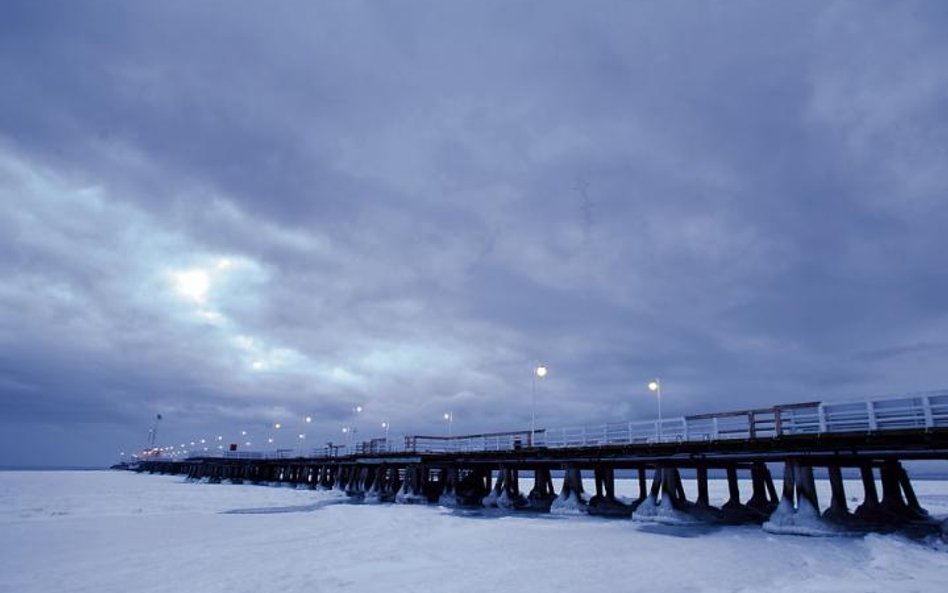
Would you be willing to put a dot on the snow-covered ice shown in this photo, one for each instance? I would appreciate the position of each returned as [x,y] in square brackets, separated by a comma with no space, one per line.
[107,532]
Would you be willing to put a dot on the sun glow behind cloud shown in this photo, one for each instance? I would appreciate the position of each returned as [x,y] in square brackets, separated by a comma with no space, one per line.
[193,284]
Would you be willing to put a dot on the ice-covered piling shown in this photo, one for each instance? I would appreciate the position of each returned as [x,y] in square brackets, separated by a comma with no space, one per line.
[543,494]
[804,517]
[604,503]
[571,500]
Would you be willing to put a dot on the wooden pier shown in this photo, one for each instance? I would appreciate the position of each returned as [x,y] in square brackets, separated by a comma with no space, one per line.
[871,439]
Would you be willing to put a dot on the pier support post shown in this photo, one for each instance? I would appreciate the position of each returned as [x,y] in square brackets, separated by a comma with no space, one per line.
[838,511]
[571,499]
[473,486]
[894,480]
[870,510]
[449,479]
[643,486]
[413,488]
[806,488]
[604,503]
[759,500]
[702,475]
[542,494]
[910,493]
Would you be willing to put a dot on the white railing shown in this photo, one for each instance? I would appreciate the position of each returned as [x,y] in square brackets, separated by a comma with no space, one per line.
[923,411]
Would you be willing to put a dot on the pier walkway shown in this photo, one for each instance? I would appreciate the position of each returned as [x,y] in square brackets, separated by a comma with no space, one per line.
[872,438]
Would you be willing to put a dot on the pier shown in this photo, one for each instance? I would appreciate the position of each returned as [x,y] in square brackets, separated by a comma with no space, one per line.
[870,438]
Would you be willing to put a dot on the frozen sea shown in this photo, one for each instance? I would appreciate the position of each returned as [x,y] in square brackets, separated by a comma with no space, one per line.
[103,531]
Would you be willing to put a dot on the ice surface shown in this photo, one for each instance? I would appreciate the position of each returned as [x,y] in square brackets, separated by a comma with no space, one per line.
[105,532]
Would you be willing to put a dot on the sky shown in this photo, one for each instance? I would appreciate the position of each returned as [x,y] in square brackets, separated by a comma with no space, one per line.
[235,215]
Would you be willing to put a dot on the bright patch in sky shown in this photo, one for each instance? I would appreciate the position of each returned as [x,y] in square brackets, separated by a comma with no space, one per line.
[193,284]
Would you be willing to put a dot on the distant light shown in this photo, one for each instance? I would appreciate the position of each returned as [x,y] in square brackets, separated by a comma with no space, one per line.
[270,440]
[302,436]
[277,426]
[358,409]
[653,385]
[541,371]
[243,433]
[220,438]
[447,415]
[309,419]
[345,429]
[247,444]
[385,425]
[203,441]
[192,443]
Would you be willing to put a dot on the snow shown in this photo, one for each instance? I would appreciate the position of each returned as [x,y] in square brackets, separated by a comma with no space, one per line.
[108,532]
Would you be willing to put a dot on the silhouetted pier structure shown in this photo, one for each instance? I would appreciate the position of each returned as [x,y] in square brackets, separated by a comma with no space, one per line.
[873,437]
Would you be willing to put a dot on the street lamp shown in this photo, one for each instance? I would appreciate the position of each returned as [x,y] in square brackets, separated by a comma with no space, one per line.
[449,418]
[656,386]
[308,419]
[301,436]
[539,372]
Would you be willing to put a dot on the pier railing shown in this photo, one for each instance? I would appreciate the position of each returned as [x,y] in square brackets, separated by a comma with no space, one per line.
[922,411]
[918,411]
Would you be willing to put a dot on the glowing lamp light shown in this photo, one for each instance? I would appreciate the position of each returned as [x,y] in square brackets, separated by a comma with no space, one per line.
[308,419]
[653,385]
[277,426]
[541,371]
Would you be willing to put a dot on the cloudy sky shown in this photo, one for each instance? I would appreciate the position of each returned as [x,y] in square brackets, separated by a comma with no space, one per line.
[235,215]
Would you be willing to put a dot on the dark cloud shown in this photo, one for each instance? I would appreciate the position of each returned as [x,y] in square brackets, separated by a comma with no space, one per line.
[408,206]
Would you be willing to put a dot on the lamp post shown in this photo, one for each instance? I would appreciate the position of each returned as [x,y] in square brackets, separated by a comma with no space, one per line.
[449,418]
[656,386]
[385,427]
[539,372]
[355,420]
[301,437]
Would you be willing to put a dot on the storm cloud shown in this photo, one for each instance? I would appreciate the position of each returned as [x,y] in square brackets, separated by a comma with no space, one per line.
[235,215]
